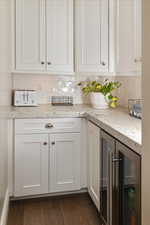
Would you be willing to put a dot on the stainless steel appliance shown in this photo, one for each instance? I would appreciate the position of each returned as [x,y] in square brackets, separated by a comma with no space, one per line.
[120,186]
[62,100]
[135,107]
[25,98]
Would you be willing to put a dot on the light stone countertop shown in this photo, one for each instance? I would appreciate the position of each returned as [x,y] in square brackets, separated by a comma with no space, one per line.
[116,122]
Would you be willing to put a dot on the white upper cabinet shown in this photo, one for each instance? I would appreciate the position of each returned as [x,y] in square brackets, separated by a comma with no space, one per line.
[107,36]
[128,37]
[44,36]
[92,35]
[30,35]
[59,14]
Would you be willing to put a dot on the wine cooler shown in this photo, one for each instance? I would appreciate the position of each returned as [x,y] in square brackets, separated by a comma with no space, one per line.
[120,183]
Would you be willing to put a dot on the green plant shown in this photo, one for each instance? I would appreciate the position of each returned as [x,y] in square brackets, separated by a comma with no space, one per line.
[106,88]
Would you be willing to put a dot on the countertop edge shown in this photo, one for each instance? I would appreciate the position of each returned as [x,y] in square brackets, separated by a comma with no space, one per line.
[75,113]
[116,134]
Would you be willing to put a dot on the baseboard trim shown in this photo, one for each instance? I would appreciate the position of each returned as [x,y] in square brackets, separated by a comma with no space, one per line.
[84,190]
[4,215]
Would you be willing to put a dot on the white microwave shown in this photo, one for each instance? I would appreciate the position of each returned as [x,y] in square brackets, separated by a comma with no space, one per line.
[25,98]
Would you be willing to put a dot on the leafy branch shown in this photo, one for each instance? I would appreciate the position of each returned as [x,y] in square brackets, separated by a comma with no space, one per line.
[106,88]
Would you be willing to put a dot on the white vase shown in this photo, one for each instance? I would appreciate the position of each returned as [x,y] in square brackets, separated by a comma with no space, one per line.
[98,100]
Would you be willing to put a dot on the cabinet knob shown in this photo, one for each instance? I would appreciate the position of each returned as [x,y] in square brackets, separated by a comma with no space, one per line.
[49,125]
[45,143]
[42,62]
[103,63]
[138,60]
[53,143]
[49,63]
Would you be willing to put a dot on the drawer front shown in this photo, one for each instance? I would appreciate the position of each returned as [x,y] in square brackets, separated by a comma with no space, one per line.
[26,126]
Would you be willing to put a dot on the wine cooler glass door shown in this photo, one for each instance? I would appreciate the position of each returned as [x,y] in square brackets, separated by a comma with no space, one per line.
[128,183]
[107,150]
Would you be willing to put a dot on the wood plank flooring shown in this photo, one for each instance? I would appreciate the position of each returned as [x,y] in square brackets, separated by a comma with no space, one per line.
[62,210]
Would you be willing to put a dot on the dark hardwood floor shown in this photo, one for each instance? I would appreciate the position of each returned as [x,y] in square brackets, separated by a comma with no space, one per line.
[62,210]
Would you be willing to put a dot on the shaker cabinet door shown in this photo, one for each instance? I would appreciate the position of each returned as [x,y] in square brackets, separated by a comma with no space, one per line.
[59,16]
[30,35]
[94,163]
[64,170]
[92,35]
[31,164]
[128,36]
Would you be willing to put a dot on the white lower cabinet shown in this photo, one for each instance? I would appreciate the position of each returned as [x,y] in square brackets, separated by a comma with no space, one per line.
[31,164]
[64,162]
[46,163]
[94,163]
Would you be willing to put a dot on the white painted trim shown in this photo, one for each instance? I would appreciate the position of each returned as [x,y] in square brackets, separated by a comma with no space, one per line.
[83,154]
[61,73]
[79,74]
[13,35]
[83,190]
[112,36]
[10,156]
[4,215]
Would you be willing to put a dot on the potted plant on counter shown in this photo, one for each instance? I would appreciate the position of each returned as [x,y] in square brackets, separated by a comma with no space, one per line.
[101,93]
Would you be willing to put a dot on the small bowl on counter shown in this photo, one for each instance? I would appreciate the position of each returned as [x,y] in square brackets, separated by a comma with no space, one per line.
[135,108]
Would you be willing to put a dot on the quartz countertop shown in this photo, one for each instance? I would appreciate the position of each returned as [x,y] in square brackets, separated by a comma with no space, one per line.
[116,122]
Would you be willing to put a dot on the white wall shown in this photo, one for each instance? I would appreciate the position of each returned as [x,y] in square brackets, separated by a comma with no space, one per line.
[5,91]
[131,86]
[146,115]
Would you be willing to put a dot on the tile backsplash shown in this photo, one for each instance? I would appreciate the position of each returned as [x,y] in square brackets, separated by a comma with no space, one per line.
[131,89]
[50,85]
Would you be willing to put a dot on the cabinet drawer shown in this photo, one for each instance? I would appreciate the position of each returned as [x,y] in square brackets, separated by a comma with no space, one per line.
[23,126]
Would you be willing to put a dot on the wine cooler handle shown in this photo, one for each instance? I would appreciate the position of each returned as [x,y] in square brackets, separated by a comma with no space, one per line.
[116,159]
[117,162]
[111,185]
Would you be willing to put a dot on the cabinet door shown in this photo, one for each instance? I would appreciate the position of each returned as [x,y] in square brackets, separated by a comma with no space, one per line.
[106,178]
[94,163]
[128,186]
[30,35]
[128,36]
[31,164]
[59,36]
[64,162]
[92,35]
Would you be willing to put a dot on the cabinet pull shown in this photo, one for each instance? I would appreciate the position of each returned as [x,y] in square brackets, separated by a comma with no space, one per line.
[53,143]
[49,63]
[45,143]
[138,60]
[42,62]
[103,63]
[116,159]
[49,125]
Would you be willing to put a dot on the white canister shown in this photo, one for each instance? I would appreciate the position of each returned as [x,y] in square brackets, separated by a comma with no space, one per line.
[98,100]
